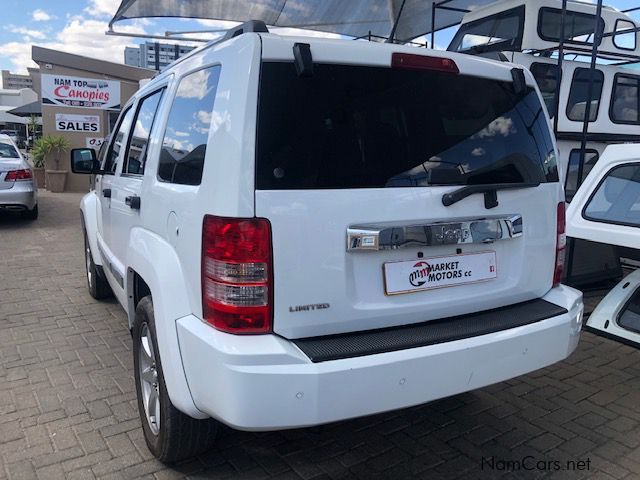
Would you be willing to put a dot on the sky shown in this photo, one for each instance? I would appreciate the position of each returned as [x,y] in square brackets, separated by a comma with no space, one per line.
[78,26]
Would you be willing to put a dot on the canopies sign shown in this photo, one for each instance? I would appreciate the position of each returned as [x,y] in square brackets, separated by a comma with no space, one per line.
[69,91]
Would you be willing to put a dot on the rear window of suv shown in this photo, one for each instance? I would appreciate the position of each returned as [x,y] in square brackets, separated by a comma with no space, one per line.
[368,127]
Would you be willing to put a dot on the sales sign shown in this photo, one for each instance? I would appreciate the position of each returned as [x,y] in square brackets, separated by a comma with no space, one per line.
[77,123]
[81,92]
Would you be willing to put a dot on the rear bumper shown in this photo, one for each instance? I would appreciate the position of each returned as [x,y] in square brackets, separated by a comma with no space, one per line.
[266,382]
[23,195]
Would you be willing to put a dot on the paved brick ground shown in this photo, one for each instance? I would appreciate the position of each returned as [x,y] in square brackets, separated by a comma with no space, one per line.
[67,398]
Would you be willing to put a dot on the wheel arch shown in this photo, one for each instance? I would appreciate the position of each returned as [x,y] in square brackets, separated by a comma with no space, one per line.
[89,219]
[154,269]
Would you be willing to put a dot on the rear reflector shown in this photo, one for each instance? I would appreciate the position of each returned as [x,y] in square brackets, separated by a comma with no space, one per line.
[561,244]
[17,175]
[236,274]
[409,61]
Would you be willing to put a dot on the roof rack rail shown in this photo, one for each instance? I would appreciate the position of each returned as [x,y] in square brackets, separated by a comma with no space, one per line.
[250,26]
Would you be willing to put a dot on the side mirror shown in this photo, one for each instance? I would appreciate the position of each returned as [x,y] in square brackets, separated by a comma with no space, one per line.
[83,160]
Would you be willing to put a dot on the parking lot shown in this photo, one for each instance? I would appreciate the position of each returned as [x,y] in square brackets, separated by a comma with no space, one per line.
[68,409]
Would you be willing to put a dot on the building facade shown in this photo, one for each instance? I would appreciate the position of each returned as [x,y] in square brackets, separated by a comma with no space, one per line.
[16,81]
[154,55]
[81,100]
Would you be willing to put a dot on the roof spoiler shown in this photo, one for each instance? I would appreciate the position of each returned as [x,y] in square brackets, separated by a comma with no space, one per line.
[246,27]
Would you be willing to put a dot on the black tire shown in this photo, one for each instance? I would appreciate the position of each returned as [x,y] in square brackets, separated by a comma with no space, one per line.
[30,214]
[96,282]
[178,436]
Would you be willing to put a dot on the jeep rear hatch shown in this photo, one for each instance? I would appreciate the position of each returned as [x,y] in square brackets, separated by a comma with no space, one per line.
[352,164]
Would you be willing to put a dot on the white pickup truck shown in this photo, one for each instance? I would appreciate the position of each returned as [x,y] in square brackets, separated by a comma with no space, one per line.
[305,230]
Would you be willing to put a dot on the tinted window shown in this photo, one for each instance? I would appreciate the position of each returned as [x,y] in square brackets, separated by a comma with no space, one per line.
[139,139]
[497,32]
[7,151]
[576,106]
[359,127]
[572,183]
[617,198]
[624,37]
[185,139]
[624,101]
[578,27]
[546,76]
[111,159]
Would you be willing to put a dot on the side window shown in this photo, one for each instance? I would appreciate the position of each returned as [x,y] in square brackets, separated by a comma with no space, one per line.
[185,138]
[624,36]
[578,27]
[576,106]
[546,75]
[572,183]
[617,198]
[624,99]
[119,137]
[136,156]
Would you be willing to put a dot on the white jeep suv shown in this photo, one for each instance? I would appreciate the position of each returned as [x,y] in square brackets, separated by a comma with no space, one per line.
[306,230]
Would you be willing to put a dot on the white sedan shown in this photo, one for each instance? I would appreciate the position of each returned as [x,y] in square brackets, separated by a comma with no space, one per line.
[18,191]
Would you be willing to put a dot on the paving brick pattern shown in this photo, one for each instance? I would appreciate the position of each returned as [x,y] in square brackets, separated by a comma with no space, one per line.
[68,410]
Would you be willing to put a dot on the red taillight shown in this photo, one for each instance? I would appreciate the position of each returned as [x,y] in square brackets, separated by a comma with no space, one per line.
[561,243]
[237,274]
[411,61]
[17,175]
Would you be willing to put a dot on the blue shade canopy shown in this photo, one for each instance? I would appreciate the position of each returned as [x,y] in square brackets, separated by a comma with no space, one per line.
[347,17]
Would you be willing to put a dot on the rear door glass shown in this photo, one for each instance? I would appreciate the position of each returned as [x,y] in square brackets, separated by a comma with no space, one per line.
[368,127]
[111,159]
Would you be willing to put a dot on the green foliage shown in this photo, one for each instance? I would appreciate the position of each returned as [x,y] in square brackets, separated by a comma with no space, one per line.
[54,145]
[38,152]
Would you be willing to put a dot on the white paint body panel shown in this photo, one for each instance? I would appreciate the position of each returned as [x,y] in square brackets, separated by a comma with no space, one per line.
[269,384]
[604,316]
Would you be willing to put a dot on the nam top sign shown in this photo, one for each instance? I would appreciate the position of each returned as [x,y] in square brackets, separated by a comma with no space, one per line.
[67,91]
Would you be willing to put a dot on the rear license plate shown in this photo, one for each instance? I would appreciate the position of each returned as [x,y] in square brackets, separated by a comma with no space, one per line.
[438,272]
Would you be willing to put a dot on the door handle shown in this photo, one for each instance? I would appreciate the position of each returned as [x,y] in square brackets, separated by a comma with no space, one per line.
[106,192]
[133,201]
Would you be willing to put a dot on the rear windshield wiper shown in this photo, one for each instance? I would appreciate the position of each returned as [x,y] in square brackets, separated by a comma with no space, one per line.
[490,192]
